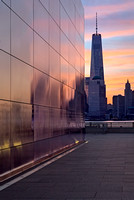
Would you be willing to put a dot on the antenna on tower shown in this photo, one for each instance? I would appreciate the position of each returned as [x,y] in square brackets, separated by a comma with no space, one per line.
[96,25]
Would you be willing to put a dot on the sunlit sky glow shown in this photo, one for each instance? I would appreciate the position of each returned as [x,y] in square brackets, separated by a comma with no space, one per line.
[116,25]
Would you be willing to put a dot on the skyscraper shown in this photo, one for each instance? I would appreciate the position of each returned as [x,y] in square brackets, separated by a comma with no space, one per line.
[128,96]
[119,106]
[97,89]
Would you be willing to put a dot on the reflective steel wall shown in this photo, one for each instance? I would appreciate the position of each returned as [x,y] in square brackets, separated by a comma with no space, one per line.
[41,79]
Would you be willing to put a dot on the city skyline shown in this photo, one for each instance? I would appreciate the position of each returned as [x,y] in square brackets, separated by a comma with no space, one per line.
[115,23]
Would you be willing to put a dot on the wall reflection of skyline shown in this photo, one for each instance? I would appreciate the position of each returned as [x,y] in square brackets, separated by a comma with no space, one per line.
[41,79]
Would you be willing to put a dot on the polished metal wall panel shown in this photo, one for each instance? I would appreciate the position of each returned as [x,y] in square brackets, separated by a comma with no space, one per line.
[72,54]
[72,77]
[41,88]
[55,10]
[55,122]
[81,84]
[6,2]
[71,11]
[77,102]
[46,4]
[22,125]
[64,21]
[72,32]
[65,4]
[41,54]
[4,27]
[41,148]
[4,125]
[69,8]
[22,154]
[64,48]
[64,100]
[69,96]
[24,9]
[63,121]
[64,71]
[54,35]
[41,20]
[54,61]
[81,28]
[55,93]
[77,75]
[4,75]
[78,42]
[77,22]
[77,61]
[21,81]
[42,127]
[72,100]
[5,162]
[21,40]
[82,66]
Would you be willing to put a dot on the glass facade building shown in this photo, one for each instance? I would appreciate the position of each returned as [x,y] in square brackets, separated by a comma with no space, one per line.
[41,80]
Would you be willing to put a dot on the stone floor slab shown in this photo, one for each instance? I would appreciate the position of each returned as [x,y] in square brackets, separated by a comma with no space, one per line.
[102,169]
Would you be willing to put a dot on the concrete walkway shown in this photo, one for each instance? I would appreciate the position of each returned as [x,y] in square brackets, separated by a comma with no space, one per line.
[102,169]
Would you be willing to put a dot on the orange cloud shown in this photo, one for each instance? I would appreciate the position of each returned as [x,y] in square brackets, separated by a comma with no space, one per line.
[118,33]
[118,52]
[110,34]
[120,59]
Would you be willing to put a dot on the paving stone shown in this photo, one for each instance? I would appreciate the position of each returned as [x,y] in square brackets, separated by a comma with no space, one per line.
[102,169]
[111,187]
[128,196]
[109,195]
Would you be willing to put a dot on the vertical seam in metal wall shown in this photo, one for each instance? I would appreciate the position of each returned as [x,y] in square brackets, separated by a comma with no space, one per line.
[60,45]
[33,92]
[50,129]
[59,60]
[10,91]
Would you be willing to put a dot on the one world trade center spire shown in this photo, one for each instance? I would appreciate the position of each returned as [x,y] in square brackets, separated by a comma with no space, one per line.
[97,89]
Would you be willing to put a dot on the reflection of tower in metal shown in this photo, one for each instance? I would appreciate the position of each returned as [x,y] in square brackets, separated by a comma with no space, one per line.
[97,89]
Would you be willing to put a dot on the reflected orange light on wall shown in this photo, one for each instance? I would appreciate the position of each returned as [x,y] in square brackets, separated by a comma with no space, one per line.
[87,61]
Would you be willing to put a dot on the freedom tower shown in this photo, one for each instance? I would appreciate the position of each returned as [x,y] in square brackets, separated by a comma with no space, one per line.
[97,89]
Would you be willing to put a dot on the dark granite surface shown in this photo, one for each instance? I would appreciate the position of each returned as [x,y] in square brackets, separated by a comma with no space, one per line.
[102,169]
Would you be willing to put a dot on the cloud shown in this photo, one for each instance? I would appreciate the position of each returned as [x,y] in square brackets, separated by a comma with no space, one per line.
[119,59]
[118,52]
[105,10]
[119,33]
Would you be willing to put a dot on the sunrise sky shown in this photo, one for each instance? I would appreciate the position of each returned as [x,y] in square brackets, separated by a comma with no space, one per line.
[116,25]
